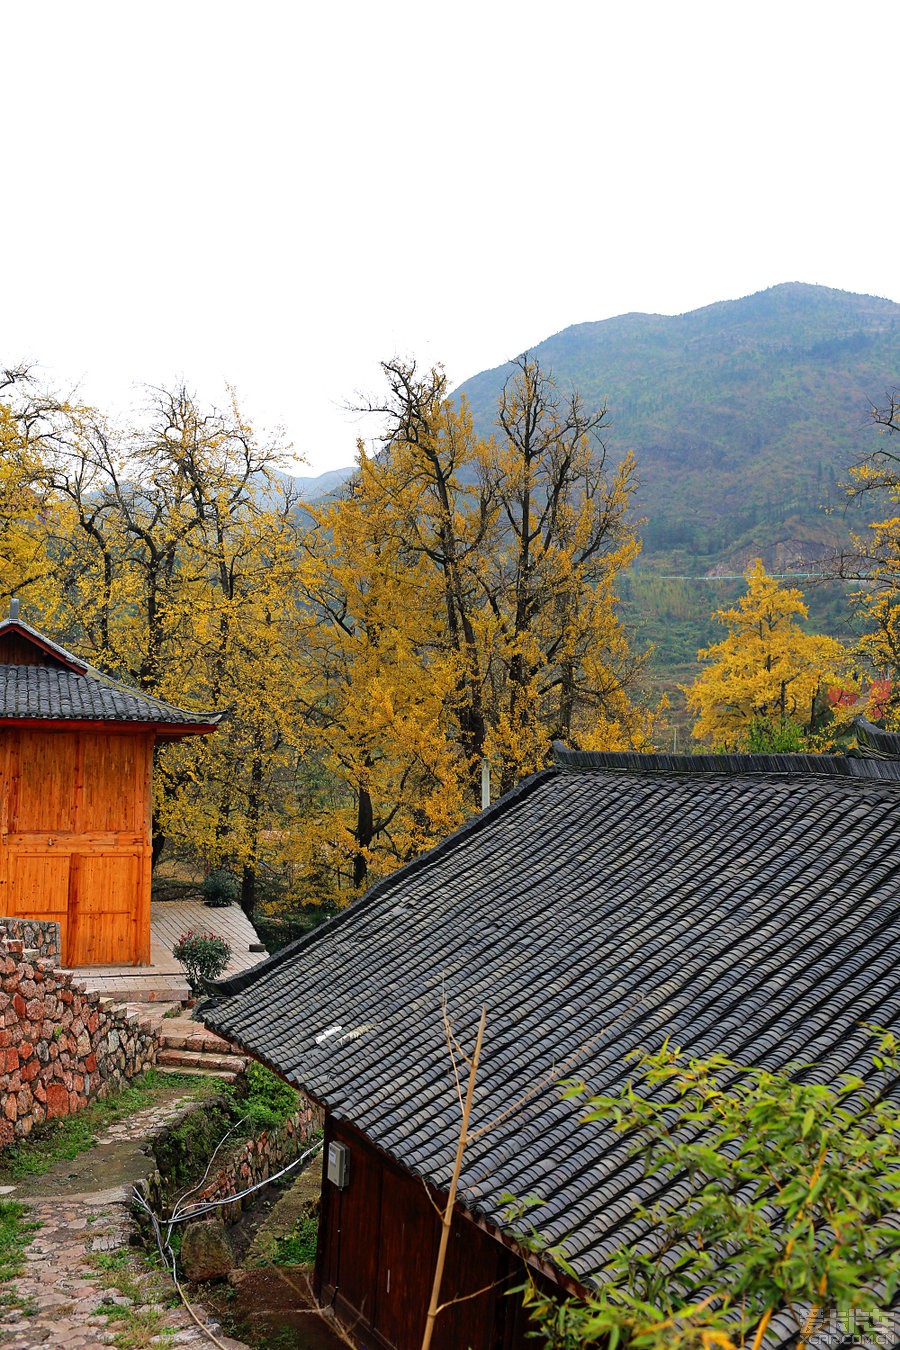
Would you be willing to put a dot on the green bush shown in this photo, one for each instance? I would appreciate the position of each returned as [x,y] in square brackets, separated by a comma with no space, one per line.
[793,1191]
[269,1099]
[204,957]
[221,888]
[768,737]
[299,1247]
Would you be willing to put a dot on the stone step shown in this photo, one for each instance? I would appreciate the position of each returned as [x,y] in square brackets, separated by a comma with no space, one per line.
[194,1059]
[135,993]
[226,1075]
[203,1042]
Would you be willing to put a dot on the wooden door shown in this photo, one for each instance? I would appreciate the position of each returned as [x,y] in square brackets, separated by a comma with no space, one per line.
[38,887]
[102,909]
[90,895]
[350,1232]
[406,1256]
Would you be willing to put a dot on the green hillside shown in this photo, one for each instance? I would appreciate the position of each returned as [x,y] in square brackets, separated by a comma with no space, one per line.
[743,416]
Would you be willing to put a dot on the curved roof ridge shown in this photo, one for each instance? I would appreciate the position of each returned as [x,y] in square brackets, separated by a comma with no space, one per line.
[731,765]
[876,743]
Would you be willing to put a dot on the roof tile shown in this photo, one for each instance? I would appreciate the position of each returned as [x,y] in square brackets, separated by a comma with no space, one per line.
[48,693]
[751,912]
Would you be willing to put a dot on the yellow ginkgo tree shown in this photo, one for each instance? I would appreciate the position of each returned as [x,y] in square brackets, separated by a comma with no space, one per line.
[526,534]
[768,672]
[170,558]
[23,553]
[873,560]
[454,603]
[378,697]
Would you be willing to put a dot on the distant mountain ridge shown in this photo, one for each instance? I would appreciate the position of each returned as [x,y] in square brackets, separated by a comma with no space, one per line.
[744,415]
[313,488]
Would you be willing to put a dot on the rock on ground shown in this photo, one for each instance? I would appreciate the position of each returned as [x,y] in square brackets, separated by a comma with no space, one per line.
[206,1251]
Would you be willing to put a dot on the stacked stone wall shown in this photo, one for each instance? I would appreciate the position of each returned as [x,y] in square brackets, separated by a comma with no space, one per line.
[253,1161]
[38,935]
[261,1158]
[60,1047]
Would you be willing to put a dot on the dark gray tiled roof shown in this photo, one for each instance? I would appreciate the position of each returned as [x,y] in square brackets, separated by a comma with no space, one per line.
[45,692]
[65,688]
[752,913]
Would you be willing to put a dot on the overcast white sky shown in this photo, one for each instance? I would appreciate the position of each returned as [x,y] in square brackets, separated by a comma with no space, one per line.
[281,194]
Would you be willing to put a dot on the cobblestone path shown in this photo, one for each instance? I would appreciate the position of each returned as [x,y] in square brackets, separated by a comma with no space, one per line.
[83,1283]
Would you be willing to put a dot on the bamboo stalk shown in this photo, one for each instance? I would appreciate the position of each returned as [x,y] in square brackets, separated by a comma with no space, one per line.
[447,1219]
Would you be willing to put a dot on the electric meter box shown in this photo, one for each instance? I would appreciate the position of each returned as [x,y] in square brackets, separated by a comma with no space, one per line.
[339,1165]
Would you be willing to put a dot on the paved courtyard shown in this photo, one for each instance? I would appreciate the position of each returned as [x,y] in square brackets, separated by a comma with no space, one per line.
[163,980]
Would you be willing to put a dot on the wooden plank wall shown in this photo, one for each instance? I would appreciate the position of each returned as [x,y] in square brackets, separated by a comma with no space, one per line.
[378,1242]
[75,838]
[18,651]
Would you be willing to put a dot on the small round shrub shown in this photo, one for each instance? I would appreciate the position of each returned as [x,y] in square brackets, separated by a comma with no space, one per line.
[204,957]
[220,888]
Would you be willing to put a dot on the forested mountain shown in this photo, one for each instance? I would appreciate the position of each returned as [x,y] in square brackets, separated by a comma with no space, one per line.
[743,416]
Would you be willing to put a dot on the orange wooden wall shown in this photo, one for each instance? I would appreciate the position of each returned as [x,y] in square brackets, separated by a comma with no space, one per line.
[75,838]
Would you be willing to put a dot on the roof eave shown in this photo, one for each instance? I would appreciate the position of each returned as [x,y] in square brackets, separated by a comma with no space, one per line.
[174,731]
[163,731]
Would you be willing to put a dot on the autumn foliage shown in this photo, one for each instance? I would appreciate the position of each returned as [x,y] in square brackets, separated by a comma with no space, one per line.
[767,675]
[457,602]
[873,561]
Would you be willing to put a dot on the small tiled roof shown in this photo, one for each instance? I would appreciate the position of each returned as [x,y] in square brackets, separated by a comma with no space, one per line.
[749,910]
[875,743]
[68,690]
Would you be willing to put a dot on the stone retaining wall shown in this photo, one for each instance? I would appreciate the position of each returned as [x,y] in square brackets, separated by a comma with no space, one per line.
[255,1160]
[261,1158]
[38,935]
[60,1047]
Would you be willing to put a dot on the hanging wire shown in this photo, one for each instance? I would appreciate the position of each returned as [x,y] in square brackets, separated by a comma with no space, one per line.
[181,1213]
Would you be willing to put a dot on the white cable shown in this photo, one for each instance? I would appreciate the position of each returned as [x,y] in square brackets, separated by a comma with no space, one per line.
[192,1212]
[192,1190]
[204,1207]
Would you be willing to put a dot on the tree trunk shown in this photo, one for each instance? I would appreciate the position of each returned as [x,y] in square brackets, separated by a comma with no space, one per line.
[248,878]
[158,843]
[157,838]
[364,833]
[248,889]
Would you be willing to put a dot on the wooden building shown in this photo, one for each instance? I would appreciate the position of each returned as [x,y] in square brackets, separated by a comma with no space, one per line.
[741,905]
[76,762]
